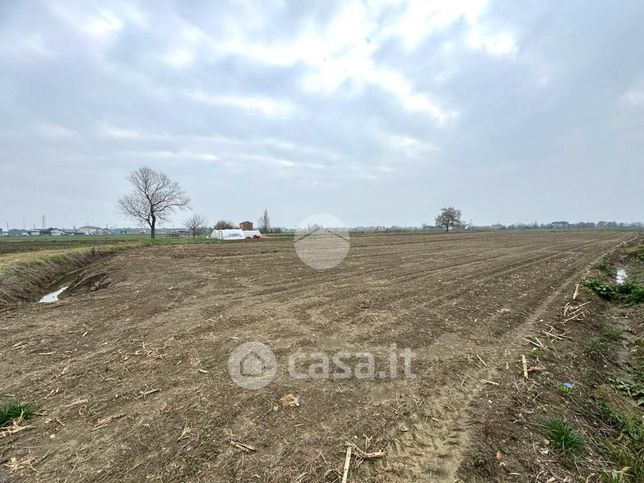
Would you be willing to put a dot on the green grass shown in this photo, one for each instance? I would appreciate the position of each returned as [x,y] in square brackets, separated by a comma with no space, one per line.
[629,452]
[603,267]
[638,253]
[629,458]
[631,389]
[615,476]
[51,250]
[596,348]
[604,290]
[24,244]
[627,424]
[562,436]
[629,293]
[568,391]
[13,245]
[612,333]
[12,410]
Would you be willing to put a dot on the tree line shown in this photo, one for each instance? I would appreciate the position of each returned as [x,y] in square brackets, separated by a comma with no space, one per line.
[154,198]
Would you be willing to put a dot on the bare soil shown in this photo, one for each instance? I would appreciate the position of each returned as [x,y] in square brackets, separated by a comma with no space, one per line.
[133,383]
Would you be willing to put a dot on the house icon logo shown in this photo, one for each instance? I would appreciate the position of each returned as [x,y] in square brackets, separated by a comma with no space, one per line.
[252,365]
[322,241]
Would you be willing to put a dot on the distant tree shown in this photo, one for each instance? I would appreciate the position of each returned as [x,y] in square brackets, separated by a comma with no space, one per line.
[264,222]
[224,225]
[154,198]
[195,224]
[449,217]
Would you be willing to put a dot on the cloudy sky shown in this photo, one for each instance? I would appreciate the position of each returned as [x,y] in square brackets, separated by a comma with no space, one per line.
[378,113]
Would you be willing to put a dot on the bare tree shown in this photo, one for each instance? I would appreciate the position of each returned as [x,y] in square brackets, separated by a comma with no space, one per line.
[195,224]
[224,225]
[264,222]
[449,216]
[154,197]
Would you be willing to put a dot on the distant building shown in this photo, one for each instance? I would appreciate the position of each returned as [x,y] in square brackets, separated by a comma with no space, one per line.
[93,230]
[560,224]
[127,231]
[34,232]
[52,231]
[246,225]
[235,234]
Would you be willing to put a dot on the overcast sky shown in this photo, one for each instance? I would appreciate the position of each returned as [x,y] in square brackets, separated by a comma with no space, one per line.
[378,113]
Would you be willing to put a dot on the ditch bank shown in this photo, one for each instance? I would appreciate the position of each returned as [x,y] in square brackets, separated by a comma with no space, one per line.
[575,410]
[23,282]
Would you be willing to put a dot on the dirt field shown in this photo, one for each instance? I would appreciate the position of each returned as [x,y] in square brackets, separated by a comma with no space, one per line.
[133,382]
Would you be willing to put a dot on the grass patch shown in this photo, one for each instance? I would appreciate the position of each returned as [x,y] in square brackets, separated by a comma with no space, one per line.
[27,248]
[629,458]
[603,267]
[612,333]
[638,253]
[604,290]
[634,391]
[614,476]
[597,348]
[562,436]
[628,293]
[627,424]
[628,449]
[566,388]
[13,410]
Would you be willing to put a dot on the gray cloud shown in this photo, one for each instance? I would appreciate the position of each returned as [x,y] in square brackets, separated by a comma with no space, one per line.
[377,113]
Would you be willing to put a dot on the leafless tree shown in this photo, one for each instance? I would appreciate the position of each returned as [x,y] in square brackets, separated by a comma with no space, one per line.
[195,224]
[264,222]
[154,197]
[224,225]
[449,216]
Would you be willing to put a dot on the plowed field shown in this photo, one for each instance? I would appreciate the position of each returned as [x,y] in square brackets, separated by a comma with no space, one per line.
[133,383]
